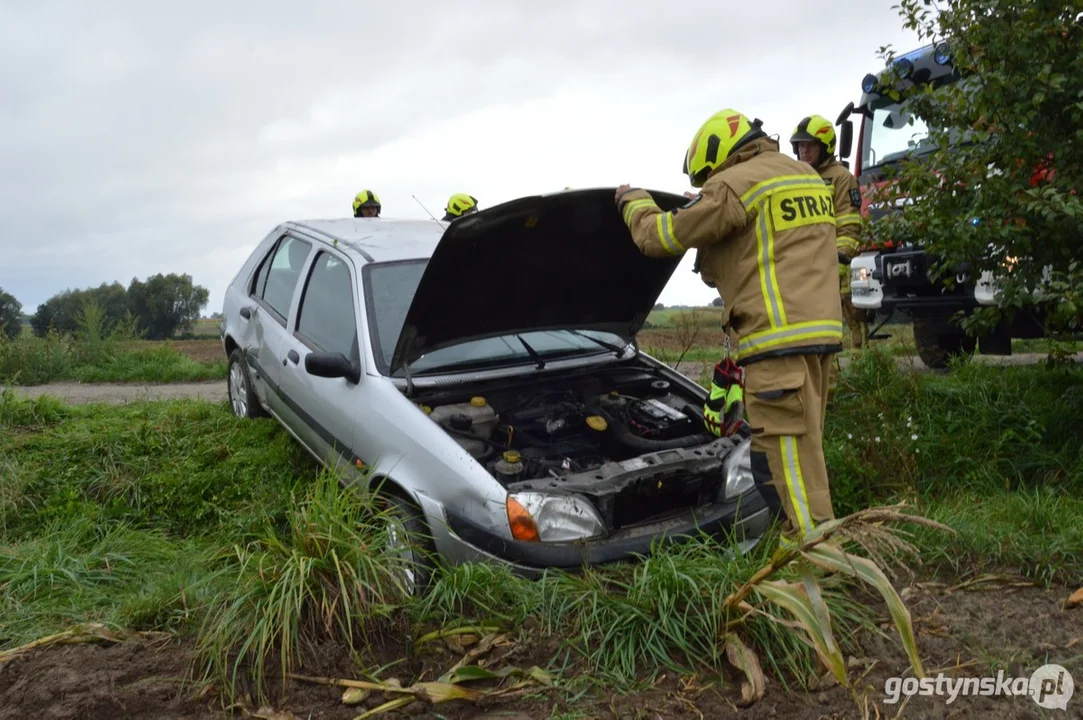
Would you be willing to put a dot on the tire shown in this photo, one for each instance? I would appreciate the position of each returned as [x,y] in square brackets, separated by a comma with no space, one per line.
[243,401]
[418,546]
[937,343]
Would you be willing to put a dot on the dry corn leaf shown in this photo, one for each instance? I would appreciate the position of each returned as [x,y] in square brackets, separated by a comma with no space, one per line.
[269,713]
[1074,599]
[355,696]
[742,658]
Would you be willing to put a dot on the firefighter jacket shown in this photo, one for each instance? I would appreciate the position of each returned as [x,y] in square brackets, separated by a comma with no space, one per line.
[764,228]
[847,203]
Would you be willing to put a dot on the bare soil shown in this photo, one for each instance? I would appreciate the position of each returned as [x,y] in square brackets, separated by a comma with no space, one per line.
[970,632]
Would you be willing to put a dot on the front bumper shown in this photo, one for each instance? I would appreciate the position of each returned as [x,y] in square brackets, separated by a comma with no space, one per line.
[746,518]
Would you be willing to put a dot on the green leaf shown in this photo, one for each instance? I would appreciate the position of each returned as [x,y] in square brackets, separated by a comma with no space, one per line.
[836,560]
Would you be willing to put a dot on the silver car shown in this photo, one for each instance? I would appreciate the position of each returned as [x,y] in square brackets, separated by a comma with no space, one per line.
[487,376]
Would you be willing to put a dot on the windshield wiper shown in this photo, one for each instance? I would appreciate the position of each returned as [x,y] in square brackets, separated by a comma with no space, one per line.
[533,353]
[607,345]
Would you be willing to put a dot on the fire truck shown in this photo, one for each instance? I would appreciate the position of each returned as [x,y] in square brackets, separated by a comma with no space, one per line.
[888,279]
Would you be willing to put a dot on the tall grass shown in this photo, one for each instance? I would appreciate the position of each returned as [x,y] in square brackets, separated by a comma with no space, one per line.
[331,575]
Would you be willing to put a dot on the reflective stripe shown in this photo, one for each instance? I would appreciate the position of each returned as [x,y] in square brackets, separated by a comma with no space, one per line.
[848,219]
[765,260]
[844,242]
[795,483]
[766,339]
[634,205]
[753,194]
[666,236]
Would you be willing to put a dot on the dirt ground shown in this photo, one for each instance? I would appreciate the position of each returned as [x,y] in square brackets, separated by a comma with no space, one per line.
[970,632]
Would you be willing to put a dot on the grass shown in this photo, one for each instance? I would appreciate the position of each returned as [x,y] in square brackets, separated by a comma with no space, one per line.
[36,361]
[177,516]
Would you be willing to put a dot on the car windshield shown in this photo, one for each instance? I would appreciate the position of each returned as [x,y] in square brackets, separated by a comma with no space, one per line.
[390,288]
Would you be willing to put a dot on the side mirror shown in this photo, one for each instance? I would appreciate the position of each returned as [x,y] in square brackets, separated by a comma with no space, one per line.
[331,365]
[846,136]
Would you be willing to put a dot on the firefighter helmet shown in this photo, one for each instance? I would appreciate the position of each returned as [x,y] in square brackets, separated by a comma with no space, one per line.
[717,139]
[460,204]
[815,128]
[365,199]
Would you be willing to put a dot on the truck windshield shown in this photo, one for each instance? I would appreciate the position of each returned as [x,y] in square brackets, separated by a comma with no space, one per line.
[891,134]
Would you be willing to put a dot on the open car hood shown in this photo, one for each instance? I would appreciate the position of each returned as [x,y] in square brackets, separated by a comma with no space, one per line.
[564,261]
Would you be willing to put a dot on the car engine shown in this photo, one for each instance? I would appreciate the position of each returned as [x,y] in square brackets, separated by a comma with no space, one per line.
[564,431]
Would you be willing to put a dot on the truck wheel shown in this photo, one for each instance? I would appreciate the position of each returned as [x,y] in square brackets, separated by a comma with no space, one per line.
[937,343]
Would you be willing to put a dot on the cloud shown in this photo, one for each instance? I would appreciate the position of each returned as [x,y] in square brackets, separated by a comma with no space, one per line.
[139,137]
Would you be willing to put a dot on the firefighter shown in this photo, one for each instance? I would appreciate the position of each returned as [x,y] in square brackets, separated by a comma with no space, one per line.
[813,142]
[763,228]
[458,205]
[366,204]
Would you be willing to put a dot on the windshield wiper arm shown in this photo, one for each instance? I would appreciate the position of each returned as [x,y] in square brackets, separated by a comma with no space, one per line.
[607,345]
[533,353]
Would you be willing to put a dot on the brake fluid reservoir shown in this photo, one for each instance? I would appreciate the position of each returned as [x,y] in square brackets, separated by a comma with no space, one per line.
[510,467]
[481,414]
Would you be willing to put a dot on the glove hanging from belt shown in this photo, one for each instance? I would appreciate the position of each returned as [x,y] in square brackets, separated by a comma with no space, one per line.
[724,411]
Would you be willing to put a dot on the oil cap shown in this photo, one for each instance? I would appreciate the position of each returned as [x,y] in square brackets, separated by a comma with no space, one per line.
[597,422]
[478,401]
[512,456]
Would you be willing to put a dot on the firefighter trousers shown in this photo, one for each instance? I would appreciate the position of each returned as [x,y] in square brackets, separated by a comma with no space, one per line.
[785,403]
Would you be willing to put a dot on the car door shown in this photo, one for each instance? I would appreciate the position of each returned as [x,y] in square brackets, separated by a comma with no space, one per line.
[326,322]
[274,292]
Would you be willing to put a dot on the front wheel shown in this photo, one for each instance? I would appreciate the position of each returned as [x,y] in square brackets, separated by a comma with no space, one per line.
[410,539]
[937,343]
[243,400]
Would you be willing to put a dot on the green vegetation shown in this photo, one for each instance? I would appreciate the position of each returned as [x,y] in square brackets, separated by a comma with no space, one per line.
[176,516]
[96,352]
[1014,207]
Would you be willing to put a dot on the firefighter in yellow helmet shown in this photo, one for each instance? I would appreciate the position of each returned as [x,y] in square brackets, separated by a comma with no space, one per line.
[366,204]
[813,142]
[458,205]
[763,228]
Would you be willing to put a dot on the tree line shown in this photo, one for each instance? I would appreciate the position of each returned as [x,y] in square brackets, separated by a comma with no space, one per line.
[159,307]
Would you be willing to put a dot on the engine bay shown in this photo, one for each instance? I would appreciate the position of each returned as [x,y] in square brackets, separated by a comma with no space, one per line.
[572,427]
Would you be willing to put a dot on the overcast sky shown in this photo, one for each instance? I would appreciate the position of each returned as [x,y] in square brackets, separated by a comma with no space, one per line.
[142,137]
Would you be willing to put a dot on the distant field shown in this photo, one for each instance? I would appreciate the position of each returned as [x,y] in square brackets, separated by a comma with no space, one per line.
[204,327]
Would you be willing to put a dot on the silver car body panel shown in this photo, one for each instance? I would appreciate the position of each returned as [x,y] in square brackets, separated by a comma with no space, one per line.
[372,426]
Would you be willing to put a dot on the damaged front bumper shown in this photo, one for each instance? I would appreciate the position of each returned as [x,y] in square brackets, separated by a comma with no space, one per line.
[743,519]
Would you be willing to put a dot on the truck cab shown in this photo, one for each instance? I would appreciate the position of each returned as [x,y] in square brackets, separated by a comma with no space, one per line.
[888,278]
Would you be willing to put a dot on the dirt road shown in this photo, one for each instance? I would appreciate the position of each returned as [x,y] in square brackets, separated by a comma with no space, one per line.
[118,394]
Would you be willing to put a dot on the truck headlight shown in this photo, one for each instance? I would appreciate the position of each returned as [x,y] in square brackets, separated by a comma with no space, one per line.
[545,517]
[738,469]
[860,275]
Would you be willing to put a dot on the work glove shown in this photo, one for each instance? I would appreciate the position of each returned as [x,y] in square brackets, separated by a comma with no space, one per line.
[724,411]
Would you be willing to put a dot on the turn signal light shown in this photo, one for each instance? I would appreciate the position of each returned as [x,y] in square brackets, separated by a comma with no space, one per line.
[522,522]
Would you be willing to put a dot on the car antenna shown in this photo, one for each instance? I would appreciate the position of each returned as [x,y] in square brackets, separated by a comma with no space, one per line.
[427,211]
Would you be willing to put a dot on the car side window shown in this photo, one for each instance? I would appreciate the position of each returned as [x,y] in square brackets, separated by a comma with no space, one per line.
[326,318]
[279,274]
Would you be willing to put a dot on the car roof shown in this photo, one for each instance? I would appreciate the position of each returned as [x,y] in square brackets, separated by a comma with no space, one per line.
[376,239]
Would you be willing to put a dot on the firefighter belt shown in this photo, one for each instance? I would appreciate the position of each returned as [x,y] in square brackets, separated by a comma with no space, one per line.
[724,411]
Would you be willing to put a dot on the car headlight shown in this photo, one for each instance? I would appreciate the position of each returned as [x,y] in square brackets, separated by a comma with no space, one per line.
[860,275]
[545,517]
[738,469]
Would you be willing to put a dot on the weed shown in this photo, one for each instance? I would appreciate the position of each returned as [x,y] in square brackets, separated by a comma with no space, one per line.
[332,575]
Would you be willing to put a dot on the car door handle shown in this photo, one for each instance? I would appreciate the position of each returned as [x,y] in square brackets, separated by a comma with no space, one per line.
[293,357]
[246,313]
